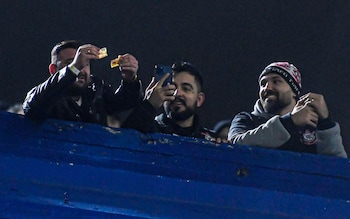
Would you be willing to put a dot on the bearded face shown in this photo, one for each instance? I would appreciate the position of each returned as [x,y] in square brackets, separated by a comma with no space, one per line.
[78,87]
[275,94]
[188,98]
[179,110]
[65,57]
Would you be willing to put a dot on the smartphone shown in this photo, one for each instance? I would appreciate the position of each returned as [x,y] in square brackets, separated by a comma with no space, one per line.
[160,71]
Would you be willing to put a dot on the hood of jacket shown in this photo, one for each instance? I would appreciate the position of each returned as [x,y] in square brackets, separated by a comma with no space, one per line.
[259,111]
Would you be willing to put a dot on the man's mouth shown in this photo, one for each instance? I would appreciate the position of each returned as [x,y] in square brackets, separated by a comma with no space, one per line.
[81,77]
[178,103]
[270,96]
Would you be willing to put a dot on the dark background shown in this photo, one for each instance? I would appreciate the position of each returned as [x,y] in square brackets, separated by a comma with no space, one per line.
[230,41]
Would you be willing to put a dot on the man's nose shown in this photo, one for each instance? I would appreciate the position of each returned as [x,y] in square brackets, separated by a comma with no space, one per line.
[84,70]
[178,92]
[268,86]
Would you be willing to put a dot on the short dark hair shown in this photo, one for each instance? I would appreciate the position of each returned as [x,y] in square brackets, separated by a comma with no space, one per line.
[74,44]
[190,68]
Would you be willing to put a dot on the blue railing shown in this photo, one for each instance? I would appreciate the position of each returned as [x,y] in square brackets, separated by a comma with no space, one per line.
[60,169]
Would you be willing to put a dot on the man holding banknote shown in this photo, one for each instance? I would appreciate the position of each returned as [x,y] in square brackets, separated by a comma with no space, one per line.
[72,93]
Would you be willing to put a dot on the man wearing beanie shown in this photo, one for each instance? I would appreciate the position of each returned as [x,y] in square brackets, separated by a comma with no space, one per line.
[282,119]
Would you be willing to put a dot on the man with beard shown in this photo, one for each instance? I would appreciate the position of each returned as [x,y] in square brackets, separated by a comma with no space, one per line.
[281,119]
[180,100]
[72,93]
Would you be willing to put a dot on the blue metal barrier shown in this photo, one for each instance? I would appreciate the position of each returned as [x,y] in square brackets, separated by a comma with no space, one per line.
[59,169]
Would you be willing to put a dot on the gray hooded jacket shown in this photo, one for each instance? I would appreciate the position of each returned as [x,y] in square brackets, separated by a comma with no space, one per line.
[259,128]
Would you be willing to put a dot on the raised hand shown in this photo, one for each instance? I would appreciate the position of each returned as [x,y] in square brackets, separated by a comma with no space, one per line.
[84,54]
[303,114]
[318,103]
[128,65]
[157,95]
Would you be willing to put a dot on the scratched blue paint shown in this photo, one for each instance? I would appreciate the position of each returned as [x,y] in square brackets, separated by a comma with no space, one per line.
[60,169]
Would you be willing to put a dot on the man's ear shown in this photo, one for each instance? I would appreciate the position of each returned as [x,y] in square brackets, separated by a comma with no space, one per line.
[200,99]
[52,68]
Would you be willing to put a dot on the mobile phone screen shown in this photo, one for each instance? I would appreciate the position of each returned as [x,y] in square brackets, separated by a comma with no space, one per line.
[160,71]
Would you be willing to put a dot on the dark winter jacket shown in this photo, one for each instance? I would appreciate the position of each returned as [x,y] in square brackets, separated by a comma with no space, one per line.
[50,99]
[144,119]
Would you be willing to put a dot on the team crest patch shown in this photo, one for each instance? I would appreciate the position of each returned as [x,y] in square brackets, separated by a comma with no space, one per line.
[309,137]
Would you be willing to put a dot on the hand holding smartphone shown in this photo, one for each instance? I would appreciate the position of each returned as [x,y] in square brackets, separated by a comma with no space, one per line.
[160,71]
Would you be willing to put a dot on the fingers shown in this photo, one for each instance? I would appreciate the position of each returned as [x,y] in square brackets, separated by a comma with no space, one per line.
[89,50]
[221,140]
[307,99]
[169,90]
[312,119]
[84,54]
[217,140]
[312,98]
[300,103]
[162,80]
[317,102]
[166,91]
[158,95]
[310,115]
[128,63]
[304,115]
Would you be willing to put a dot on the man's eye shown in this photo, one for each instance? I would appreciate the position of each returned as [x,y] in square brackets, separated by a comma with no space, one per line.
[187,89]
[277,81]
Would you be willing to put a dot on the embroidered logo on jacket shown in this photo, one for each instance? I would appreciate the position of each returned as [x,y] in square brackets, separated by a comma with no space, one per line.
[309,136]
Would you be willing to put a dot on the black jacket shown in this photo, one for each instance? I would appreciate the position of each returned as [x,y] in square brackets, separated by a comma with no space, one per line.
[144,119]
[50,99]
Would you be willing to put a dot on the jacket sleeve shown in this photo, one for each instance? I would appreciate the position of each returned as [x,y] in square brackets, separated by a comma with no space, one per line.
[141,118]
[270,134]
[42,97]
[127,96]
[329,142]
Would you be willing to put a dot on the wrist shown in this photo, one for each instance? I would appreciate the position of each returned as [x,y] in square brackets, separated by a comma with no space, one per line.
[325,123]
[74,69]
[133,78]
[288,123]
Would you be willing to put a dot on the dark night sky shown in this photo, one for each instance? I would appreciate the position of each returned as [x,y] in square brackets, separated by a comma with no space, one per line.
[230,41]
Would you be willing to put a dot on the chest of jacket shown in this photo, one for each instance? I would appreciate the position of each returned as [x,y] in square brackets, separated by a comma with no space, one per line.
[301,140]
